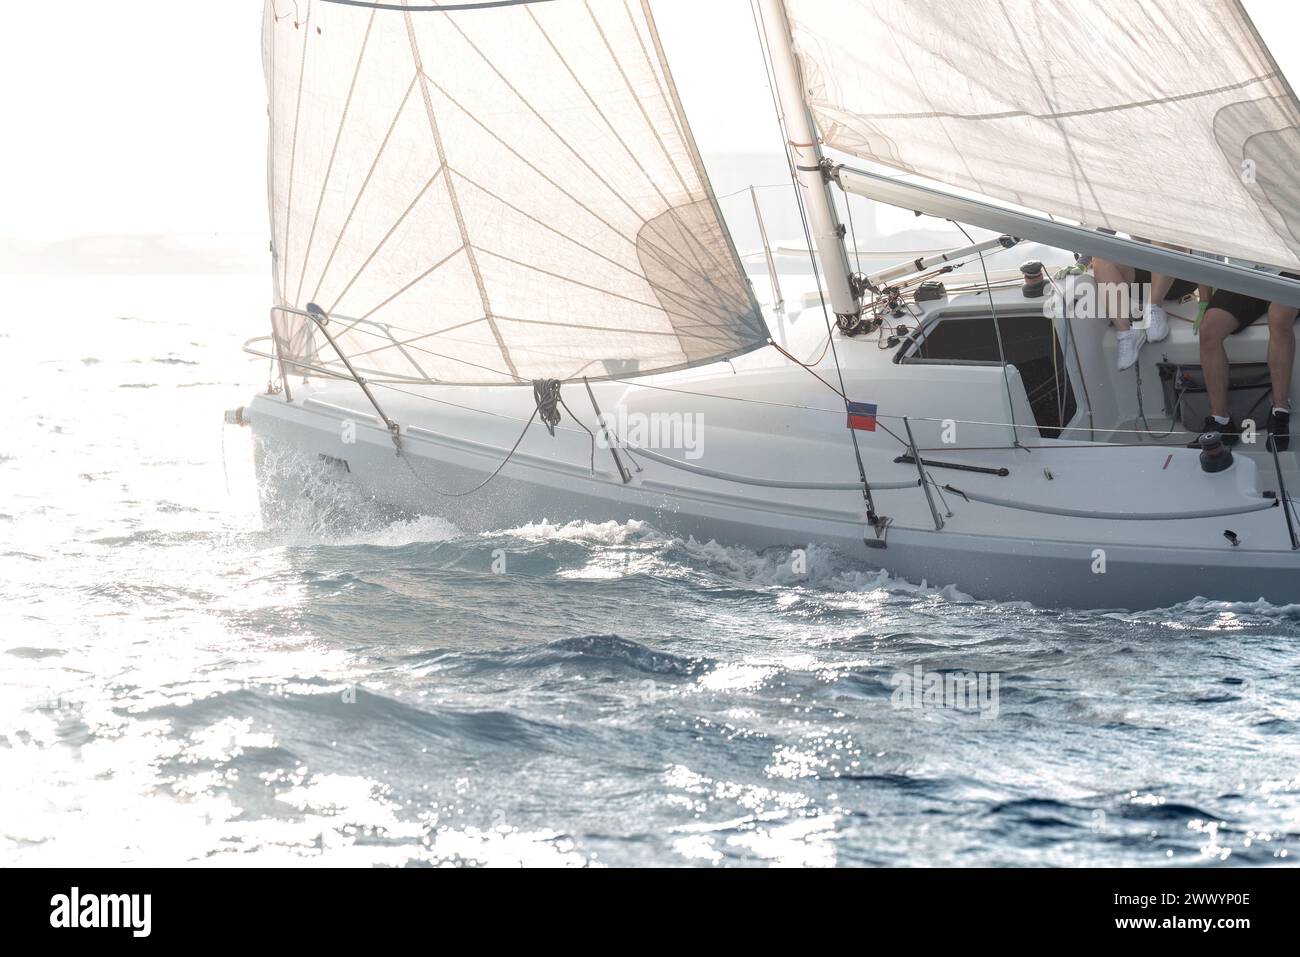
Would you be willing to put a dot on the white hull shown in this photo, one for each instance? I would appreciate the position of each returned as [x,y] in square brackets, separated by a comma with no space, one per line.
[791,428]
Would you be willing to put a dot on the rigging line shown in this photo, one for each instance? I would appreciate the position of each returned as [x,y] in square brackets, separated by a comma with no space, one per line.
[638,384]
[599,112]
[695,336]
[1178,444]
[746,189]
[389,341]
[1142,412]
[446,402]
[1004,425]
[777,346]
[754,480]
[943,498]
[808,408]
[825,349]
[365,183]
[814,374]
[329,167]
[867,497]
[543,404]
[805,408]
[1056,370]
[387,236]
[997,331]
[559,397]
[293,148]
[451,192]
[848,208]
[495,472]
[654,456]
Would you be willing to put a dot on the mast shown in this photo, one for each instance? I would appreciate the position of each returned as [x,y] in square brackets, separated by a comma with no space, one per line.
[805,149]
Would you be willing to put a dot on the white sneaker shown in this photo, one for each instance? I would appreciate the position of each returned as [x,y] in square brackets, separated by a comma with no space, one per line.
[1130,343]
[1157,322]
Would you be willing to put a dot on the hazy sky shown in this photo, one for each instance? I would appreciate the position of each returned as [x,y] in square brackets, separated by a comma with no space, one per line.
[128,116]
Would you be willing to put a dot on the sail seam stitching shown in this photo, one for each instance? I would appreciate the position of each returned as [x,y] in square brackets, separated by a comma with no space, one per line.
[329,167]
[1069,114]
[451,195]
[356,203]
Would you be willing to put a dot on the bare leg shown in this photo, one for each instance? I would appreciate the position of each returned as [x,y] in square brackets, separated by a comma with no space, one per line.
[1160,286]
[1217,325]
[1113,284]
[1281,351]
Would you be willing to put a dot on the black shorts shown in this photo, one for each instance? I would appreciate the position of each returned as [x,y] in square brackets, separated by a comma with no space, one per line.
[1245,309]
[1178,290]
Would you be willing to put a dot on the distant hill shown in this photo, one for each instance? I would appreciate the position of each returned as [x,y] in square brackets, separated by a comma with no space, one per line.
[144,254]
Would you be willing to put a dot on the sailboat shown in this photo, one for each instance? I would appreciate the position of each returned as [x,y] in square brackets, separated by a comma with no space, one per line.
[504,290]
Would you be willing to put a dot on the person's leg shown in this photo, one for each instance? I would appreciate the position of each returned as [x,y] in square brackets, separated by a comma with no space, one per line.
[1281,359]
[1115,300]
[1217,325]
[1281,352]
[1153,312]
[1114,284]
[1160,286]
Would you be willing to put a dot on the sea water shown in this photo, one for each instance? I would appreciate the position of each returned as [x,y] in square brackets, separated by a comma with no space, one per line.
[180,682]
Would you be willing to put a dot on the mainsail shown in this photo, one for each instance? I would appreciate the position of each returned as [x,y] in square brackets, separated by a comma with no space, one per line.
[1165,119]
[492,193]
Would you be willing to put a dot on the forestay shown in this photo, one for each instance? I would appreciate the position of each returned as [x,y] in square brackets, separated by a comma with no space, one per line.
[491,195]
[1165,119]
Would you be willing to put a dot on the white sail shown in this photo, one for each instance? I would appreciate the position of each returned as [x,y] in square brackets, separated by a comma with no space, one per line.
[492,193]
[1165,119]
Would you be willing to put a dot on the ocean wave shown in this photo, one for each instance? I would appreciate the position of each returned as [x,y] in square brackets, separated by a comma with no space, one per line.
[327,512]
[352,715]
[595,533]
[584,653]
[611,650]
